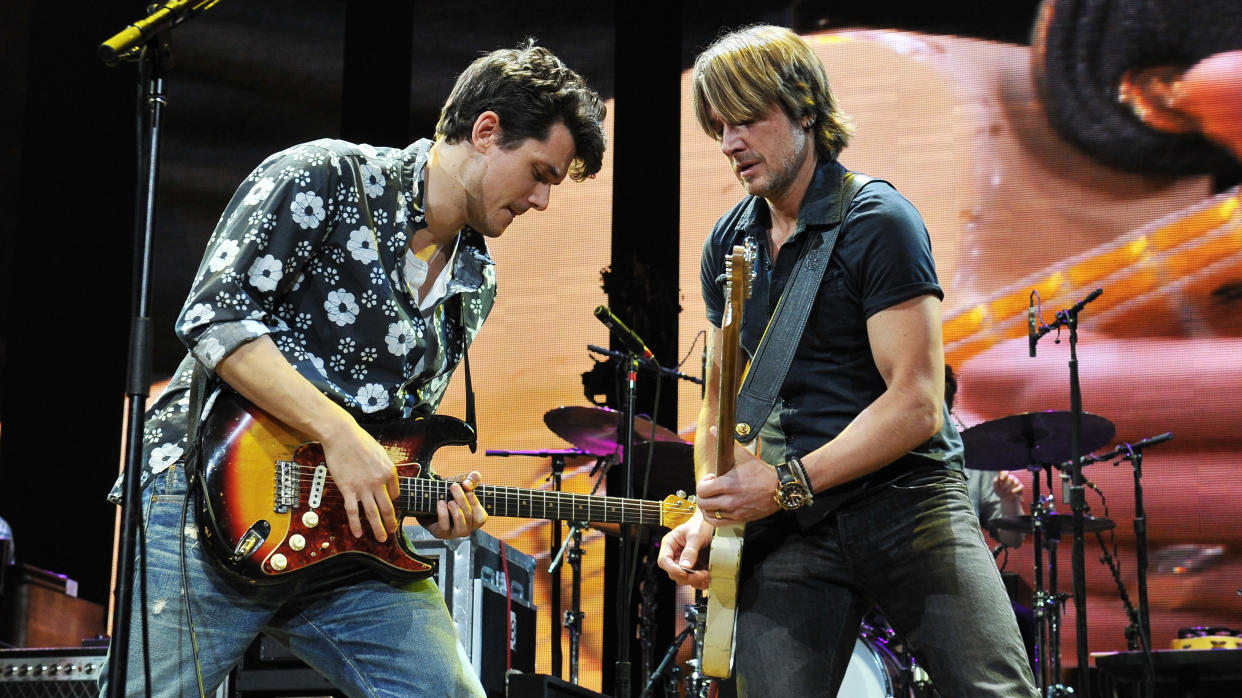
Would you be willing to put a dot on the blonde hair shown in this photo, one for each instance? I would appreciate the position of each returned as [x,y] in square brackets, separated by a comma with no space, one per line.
[743,73]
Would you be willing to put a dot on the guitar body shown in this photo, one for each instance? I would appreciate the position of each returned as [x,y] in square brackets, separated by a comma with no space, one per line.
[269,511]
[721,624]
[726,553]
[255,508]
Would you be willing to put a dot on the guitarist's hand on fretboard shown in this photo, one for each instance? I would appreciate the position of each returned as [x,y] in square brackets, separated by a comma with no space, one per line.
[741,495]
[684,551]
[462,515]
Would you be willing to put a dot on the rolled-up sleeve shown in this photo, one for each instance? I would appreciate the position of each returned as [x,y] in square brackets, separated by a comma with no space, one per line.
[271,229]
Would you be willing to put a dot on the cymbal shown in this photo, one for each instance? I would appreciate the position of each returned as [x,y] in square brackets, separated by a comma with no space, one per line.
[598,430]
[1032,438]
[1055,524]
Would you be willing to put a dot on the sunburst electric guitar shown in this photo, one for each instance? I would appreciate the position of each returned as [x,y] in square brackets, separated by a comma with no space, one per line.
[726,552]
[270,511]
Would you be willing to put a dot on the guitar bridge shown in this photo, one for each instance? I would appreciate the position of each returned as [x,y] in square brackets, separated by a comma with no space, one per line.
[288,480]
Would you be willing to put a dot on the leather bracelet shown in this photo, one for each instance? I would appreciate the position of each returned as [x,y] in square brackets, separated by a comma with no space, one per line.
[792,490]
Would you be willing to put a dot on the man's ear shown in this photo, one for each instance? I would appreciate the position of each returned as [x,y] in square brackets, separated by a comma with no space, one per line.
[486,131]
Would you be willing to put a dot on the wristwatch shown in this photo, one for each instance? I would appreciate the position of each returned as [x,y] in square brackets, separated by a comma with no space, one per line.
[792,489]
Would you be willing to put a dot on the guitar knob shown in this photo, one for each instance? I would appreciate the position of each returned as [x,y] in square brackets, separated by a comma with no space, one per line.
[279,562]
[310,519]
[297,541]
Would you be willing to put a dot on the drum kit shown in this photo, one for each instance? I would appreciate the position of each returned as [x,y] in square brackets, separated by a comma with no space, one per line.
[1040,442]
[881,665]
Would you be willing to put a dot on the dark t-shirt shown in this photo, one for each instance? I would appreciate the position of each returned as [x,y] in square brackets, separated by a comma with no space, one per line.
[882,258]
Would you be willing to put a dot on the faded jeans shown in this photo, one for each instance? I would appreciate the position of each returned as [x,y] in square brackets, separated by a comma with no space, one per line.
[914,549]
[368,638]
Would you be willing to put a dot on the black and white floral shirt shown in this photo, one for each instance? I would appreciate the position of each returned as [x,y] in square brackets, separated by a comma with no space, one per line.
[310,252]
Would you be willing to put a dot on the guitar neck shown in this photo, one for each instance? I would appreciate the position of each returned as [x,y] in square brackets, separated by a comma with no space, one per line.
[419,496]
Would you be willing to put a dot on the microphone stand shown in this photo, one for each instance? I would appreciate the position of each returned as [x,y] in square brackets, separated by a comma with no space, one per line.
[153,60]
[1141,621]
[622,679]
[1069,318]
[645,363]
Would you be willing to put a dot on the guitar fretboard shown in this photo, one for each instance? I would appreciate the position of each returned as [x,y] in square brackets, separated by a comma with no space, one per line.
[419,496]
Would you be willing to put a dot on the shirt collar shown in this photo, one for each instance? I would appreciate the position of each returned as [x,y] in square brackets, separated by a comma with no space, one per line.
[471,255]
[820,207]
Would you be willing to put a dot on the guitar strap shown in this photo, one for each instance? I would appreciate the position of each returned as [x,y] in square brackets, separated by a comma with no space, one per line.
[199,390]
[766,373]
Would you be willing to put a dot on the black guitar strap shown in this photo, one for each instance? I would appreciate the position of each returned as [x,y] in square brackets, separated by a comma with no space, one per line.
[199,390]
[766,373]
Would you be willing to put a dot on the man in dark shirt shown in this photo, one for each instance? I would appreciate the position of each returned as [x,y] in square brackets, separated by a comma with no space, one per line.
[859,420]
[341,287]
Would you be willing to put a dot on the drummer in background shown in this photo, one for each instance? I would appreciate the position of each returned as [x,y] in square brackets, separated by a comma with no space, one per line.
[993,497]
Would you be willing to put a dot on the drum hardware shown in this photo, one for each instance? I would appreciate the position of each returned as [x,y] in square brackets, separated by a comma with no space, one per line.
[1138,632]
[697,684]
[569,548]
[1040,440]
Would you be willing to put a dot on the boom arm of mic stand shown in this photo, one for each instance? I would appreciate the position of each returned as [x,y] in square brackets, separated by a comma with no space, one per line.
[645,363]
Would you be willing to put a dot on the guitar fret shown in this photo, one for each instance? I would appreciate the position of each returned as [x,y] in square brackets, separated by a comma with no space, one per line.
[421,494]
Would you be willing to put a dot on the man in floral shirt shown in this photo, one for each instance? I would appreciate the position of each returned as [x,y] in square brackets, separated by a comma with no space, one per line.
[342,285]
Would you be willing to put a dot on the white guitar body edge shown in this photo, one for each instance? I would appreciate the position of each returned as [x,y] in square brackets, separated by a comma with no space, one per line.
[718,630]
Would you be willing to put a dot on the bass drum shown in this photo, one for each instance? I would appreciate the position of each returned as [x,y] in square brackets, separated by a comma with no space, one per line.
[875,672]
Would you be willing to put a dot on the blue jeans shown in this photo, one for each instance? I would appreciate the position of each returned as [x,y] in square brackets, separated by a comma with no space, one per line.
[914,549]
[368,638]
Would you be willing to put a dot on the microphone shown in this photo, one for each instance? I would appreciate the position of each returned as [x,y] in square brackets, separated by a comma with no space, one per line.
[623,333]
[1032,332]
[166,16]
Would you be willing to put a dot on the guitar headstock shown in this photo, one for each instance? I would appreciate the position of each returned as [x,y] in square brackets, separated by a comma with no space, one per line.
[739,272]
[676,510]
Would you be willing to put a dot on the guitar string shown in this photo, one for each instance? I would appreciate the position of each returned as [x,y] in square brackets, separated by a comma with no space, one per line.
[412,487]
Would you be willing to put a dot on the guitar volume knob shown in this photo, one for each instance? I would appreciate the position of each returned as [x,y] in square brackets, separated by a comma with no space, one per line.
[297,541]
[279,562]
[310,519]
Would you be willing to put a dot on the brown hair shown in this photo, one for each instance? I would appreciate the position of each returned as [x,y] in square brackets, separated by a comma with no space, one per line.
[744,72]
[530,89]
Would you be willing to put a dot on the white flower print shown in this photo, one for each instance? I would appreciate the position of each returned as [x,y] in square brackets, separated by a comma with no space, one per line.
[224,255]
[302,249]
[307,209]
[377,276]
[361,245]
[198,314]
[317,363]
[303,320]
[257,328]
[346,345]
[349,214]
[358,372]
[337,363]
[259,192]
[400,338]
[209,351]
[372,179]
[372,397]
[369,299]
[341,307]
[265,272]
[164,456]
[368,354]
[380,216]
[303,178]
